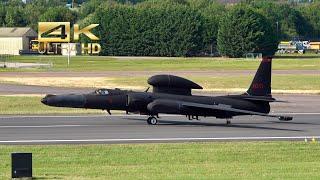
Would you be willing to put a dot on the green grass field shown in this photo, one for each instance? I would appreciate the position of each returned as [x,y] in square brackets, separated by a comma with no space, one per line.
[279,82]
[229,160]
[102,63]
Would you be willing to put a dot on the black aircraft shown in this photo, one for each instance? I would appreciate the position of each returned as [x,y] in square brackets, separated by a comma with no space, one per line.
[172,95]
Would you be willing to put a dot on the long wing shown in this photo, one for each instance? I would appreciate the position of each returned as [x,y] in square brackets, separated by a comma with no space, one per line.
[230,109]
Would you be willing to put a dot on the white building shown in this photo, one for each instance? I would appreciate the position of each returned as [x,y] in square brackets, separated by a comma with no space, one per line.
[26,1]
[14,39]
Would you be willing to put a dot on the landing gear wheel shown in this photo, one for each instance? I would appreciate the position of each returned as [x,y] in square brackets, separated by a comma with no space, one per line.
[152,120]
[228,122]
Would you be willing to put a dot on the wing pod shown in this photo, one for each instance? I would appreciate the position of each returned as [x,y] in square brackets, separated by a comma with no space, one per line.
[172,84]
[164,106]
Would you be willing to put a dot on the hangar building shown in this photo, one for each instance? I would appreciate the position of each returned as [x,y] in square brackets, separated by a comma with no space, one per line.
[15,39]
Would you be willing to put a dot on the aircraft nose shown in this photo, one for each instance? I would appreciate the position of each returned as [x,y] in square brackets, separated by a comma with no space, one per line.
[65,100]
[45,99]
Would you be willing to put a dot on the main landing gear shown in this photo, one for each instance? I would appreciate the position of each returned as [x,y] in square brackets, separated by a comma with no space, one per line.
[152,120]
[191,117]
[228,122]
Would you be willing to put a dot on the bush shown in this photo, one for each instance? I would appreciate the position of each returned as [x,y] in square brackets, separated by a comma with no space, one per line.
[58,14]
[153,31]
[242,30]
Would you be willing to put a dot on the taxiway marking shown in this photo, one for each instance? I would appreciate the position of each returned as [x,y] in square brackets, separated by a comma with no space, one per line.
[159,139]
[48,126]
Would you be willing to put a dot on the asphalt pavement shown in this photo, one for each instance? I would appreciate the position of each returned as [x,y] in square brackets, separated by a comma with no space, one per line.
[134,129]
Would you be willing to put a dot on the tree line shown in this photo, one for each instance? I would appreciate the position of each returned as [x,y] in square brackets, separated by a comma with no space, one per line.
[177,27]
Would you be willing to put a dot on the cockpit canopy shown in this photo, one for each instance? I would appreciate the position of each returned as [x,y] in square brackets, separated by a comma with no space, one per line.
[101,91]
[104,92]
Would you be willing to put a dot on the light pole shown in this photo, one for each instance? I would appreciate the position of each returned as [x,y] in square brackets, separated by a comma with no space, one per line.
[277,29]
[68,54]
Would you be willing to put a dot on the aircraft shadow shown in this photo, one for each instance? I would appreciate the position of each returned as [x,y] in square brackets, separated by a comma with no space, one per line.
[290,122]
[235,125]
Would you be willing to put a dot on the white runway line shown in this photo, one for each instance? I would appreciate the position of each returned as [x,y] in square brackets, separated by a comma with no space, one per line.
[59,116]
[158,139]
[47,126]
[298,113]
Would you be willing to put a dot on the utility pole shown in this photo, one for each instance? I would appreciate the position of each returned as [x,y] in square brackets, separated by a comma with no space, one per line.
[277,29]
[68,54]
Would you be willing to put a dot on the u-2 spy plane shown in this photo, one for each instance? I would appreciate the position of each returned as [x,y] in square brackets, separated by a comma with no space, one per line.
[172,95]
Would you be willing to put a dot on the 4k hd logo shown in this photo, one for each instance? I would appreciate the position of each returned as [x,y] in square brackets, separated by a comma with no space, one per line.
[52,36]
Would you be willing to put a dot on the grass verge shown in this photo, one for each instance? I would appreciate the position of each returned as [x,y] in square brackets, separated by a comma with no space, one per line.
[230,160]
[283,83]
[103,63]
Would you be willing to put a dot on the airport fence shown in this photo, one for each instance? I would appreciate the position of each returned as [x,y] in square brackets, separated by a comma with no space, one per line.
[4,59]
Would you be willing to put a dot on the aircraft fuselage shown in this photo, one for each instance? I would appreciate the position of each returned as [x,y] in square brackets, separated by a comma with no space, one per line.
[138,102]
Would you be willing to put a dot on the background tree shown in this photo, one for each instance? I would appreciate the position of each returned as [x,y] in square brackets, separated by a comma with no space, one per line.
[172,27]
[59,14]
[32,12]
[13,3]
[150,30]
[3,13]
[14,17]
[243,30]
[311,14]
[211,12]
[89,7]
[285,18]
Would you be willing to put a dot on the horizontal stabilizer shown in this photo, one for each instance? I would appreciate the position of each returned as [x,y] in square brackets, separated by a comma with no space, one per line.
[262,98]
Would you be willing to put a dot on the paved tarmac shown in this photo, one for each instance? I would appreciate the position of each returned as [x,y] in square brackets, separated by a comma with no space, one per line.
[134,129]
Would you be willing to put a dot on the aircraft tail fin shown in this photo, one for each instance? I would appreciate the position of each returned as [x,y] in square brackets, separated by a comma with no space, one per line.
[261,84]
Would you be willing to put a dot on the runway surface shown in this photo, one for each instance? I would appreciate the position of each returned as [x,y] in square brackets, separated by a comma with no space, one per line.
[134,129]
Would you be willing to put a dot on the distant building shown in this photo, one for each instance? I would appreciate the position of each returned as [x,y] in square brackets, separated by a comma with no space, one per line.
[14,39]
[229,1]
[26,1]
[74,3]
